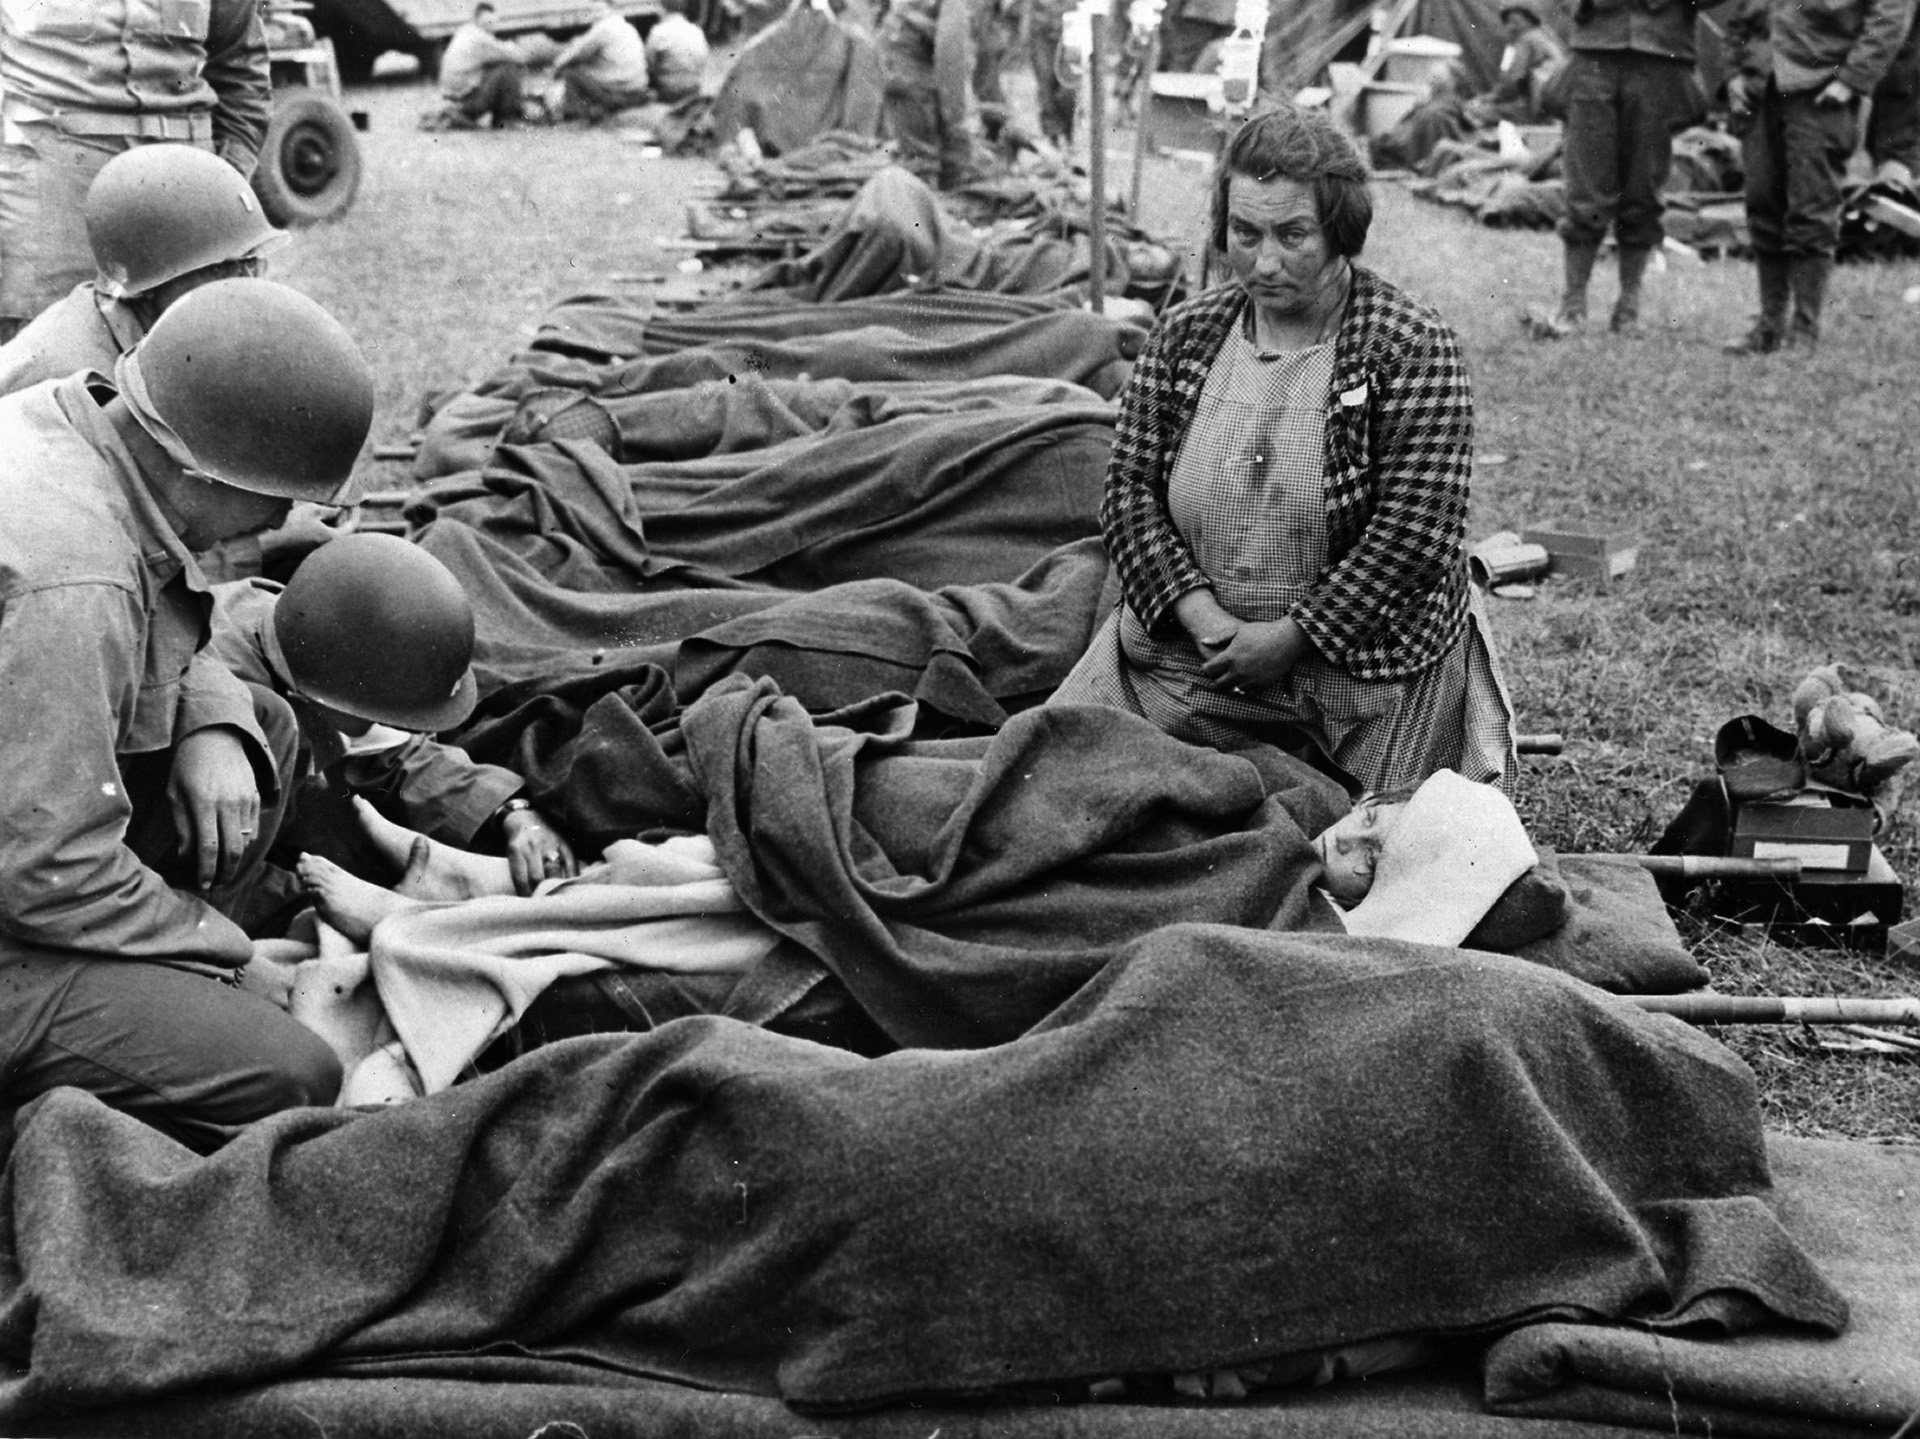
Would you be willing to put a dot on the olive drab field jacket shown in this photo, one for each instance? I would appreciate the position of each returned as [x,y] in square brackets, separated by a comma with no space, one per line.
[103,616]
[190,70]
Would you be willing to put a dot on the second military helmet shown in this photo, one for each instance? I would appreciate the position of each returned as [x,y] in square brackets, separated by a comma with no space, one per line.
[157,212]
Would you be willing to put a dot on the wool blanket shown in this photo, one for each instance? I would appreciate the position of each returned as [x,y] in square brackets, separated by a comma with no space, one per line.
[941,336]
[621,327]
[657,420]
[1855,1208]
[895,234]
[1227,1145]
[960,889]
[965,498]
[969,654]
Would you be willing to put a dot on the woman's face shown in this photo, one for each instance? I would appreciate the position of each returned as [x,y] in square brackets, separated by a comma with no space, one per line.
[1350,848]
[1276,249]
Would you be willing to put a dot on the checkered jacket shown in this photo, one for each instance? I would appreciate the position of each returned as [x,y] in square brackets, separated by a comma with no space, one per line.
[1393,597]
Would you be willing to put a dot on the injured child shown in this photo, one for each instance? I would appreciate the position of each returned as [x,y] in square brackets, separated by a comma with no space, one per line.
[459,963]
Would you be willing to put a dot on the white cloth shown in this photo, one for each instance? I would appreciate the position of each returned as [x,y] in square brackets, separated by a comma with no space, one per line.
[1454,850]
[439,983]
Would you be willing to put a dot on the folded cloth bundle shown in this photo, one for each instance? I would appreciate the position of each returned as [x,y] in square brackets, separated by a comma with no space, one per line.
[1456,847]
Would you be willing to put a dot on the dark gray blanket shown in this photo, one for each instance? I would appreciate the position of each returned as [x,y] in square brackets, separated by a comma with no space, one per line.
[725,414]
[965,498]
[1228,1145]
[1856,1209]
[961,889]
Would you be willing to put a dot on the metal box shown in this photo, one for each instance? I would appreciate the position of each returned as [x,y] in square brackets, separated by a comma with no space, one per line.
[1823,836]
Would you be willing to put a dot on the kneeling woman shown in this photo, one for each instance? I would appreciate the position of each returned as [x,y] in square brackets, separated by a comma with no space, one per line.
[1287,496]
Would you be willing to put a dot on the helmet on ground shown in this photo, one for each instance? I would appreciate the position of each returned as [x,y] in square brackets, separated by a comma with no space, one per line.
[375,626]
[264,388]
[157,212]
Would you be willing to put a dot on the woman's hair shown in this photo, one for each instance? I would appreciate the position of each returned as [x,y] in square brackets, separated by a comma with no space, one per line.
[1387,796]
[1304,146]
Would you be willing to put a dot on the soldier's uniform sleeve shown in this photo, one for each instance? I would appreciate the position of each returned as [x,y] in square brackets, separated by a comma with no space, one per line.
[435,788]
[67,877]
[236,69]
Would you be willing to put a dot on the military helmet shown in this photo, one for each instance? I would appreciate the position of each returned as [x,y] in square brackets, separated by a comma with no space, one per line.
[264,388]
[375,626]
[157,212]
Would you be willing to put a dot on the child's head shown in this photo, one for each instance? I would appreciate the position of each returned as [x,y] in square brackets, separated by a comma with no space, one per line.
[374,629]
[1350,847]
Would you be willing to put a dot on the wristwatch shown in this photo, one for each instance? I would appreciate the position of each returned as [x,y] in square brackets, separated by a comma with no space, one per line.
[513,806]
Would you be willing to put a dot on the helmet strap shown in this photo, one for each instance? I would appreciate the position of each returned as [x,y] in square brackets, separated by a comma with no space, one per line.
[132,385]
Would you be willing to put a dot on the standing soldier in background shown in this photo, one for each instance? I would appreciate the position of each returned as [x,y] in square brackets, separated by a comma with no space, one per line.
[1631,85]
[82,82]
[1893,117]
[1795,98]
[926,50]
[1045,22]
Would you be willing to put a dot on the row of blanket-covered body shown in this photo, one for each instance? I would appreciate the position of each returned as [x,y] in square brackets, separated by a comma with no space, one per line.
[896,492]
[1108,1147]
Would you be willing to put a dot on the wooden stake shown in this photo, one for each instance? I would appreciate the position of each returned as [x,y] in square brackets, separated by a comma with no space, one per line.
[1143,125]
[1779,1009]
[1097,167]
[1716,866]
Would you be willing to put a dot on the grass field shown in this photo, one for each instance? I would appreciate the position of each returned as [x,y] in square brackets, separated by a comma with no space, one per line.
[1773,498]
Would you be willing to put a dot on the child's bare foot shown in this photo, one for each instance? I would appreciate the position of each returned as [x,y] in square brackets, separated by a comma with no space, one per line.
[350,904]
[431,870]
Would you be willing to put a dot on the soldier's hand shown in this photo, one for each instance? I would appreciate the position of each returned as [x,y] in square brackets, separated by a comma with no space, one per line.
[215,802]
[1739,97]
[535,850]
[1834,92]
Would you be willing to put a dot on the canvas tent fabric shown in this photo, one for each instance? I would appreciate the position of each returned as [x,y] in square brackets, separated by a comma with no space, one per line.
[806,75]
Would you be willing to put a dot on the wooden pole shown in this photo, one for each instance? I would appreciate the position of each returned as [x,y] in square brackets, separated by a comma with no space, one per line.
[1715,866]
[1097,167]
[1143,125]
[1779,1009]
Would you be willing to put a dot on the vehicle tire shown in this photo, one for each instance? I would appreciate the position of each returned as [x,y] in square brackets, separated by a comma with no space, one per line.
[309,168]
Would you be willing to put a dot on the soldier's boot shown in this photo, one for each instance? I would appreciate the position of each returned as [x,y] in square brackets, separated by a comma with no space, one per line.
[1807,278]
[1633,271]
[1577,267]
[1776,294]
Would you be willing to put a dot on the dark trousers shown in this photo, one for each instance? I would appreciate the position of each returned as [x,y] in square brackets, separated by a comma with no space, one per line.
[1796,156]
[1893,120]
[584,98]
[190,1055]
[1623,108]
[1056,98]
[497,98]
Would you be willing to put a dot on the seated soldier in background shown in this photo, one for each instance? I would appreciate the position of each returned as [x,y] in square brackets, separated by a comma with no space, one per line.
[145,782]
[677,54]
[370,643]
[162,220]
[603,70]
[481,75]
[1532,59]
[1443,115]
